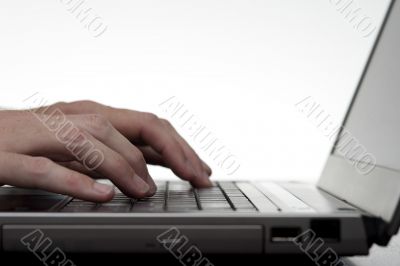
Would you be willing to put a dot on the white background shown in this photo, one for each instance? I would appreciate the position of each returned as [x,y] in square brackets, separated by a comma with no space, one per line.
[239,66]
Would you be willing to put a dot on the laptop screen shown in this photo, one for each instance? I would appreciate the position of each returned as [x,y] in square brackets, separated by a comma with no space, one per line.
[371,132]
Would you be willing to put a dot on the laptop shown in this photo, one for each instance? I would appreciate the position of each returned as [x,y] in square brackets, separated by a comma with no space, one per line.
[355,204]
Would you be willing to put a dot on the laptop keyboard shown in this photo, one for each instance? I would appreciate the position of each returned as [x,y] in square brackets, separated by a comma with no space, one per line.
[173,197]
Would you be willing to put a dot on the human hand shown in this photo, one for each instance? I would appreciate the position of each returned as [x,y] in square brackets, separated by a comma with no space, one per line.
[35,155]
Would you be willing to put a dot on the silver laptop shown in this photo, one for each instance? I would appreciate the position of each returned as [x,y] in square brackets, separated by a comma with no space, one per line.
[355,204]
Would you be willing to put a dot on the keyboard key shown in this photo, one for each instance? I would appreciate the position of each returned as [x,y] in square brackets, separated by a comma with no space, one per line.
[283,198]
[261,202]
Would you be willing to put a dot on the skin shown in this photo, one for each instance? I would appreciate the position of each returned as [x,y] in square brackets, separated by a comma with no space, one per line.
[31,155]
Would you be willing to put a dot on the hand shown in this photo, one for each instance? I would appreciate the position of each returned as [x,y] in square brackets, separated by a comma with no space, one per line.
[60,148]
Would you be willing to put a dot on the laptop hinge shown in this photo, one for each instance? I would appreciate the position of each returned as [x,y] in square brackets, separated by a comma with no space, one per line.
[376,230]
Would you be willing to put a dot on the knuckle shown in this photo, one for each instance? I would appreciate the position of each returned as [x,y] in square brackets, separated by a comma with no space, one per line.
[121,165]
[85,103]
[60,104]
[85,106]
[77,139]
[37,166]
[150,117]
[166,122]
[137,157]
[98,123]
[72,181]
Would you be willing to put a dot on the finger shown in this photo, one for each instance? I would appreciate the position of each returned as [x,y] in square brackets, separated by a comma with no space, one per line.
[99,127]
[94,155]
[41,173]
[78,167]
[151,156]
[190,153]
[155,134]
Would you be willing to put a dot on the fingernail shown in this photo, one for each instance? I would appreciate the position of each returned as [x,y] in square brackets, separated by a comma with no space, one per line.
[206,180]
[206,175]
[102,188]
[140,184]
[153,186]
[207,168]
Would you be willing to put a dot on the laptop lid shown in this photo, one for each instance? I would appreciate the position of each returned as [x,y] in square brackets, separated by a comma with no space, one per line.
[364,165]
